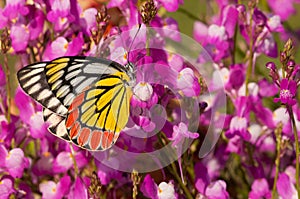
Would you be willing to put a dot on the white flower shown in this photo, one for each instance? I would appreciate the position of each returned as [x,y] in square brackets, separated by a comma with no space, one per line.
[216,31]
[143,91]
[166,191]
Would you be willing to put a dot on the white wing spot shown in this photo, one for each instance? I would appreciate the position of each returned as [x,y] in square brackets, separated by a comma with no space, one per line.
[34,88]
[44,94]
[32,80]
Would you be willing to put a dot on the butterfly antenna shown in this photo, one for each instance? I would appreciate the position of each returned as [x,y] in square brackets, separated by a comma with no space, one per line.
[140,25]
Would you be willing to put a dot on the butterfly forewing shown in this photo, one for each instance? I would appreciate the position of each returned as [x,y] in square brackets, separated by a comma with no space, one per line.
[68,76]
[33,81]
[97,115]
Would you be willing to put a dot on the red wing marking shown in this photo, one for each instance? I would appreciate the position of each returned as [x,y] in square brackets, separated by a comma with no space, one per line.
[77,101]
[84,136]
[72,117]
[74,130]
[104,140]
[95,139]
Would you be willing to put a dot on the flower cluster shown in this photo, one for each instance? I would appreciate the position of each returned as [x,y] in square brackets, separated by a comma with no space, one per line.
[254,141]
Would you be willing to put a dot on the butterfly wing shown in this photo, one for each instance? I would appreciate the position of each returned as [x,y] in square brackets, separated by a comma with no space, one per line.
[56,124]
[32,80]
[97,115]
[68,76]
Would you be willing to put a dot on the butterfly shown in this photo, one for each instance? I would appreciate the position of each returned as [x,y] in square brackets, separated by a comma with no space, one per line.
[85,99]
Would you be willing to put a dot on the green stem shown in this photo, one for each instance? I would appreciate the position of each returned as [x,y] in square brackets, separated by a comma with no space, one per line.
[174,171]
[190,15]
[7,74]
[178,178]
[277,160]
[74,161]
[290,111]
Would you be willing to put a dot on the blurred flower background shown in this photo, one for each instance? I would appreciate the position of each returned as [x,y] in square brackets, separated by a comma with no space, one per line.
[255,47]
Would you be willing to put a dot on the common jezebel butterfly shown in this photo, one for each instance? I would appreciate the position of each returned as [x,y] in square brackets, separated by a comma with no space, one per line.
[86,100]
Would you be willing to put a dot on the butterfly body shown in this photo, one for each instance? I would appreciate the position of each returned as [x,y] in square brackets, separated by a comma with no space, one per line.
[85,99]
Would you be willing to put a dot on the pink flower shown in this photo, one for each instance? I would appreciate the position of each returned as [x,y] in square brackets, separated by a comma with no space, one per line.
[188,83]
[260,189]
[52,190]
[13,161]
[181,132]
[288,89]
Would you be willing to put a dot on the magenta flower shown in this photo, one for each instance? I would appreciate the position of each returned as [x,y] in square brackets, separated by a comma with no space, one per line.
[30,116]
[3,19]
[63,161]
[149,187]
[15,7]
[205,187]
[284,10]
[267,89]
[236,77]
[181,132]
[288,89]
[13,161]
[6,186]
[216,37]
[52,190]
[88,20]
[78,190]
[36,24]
[260,189]
[188,83]
[163,191]
[105,173]
[61,47]
[19,37]
[44,166]
[58,9]
[238,126]
[2,77]
[285,187]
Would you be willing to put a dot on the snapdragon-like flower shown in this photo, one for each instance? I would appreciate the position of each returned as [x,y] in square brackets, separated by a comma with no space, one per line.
[260,189]
[19,37]
[64,161]
[13,161]
[166,191]
[287,94]
[206,188]
[180,132]
[238,126]
[52,190]
[6,186]
[163,191]
[15,7]
[285,187]
[188,83]
[78,189]
[62,47]
[216,37]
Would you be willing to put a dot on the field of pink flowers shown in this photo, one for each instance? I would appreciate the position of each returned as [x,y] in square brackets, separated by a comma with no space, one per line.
[231,134]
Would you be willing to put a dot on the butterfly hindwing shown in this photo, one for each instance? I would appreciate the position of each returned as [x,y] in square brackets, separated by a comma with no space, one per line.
[97,115]
[56,124]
